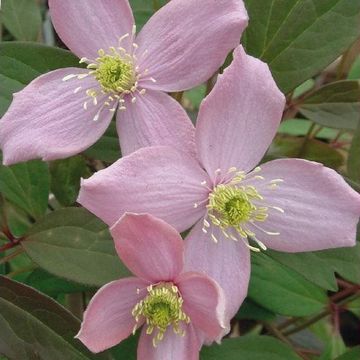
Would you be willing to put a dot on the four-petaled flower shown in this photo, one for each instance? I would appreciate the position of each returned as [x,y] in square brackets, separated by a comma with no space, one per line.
[65,111]
[289,205]
[176,309]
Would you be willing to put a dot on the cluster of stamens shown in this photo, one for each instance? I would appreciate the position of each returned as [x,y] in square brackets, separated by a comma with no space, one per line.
[234,205]
[161,308]
[118,75]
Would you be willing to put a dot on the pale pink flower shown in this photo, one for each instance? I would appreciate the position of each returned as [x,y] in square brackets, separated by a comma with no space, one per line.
[65,111]
[175,308]
[288,205]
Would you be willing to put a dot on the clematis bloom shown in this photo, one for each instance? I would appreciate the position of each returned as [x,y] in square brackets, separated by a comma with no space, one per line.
[290,205]
[174,307]
[65,111]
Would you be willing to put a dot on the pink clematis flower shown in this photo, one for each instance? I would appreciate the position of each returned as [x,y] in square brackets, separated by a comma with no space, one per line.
[65,111]
[176,308]
[290,205]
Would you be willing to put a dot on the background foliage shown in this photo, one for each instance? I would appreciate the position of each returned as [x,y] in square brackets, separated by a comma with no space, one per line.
[54,254]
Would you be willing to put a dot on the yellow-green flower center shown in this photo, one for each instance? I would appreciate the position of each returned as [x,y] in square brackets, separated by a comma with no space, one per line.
[161,308]
[236,206]
[233,206]
[114,74]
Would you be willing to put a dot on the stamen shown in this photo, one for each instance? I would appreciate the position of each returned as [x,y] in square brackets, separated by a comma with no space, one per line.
[235,203]
[69,77]
[161,308]
[117,72]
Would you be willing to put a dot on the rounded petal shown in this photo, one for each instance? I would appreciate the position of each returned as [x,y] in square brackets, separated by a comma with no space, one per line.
[47,120]
[88,26]
[245,108]
[186,41]
[227,262]
[149,247]
[173,346]
[157,180]
[155,119]
[108,319]
[204,303]
[320,210]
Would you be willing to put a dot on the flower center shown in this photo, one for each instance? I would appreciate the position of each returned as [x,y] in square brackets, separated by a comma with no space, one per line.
[236,206]
[231,206]
[161,308]
[118,75]
[114,74]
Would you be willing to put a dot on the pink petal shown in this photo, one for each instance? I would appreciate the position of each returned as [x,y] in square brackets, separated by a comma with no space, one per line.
[155,119]
[108,319]
[204,303]
[186,41]
[172,347]
[87,26]
[47,120]
[320,210]
[227,262]
[156,180]
[149,247]
[245,108]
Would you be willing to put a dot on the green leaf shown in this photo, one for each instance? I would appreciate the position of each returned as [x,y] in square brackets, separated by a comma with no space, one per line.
[282,290]
[354,307]
[143,10]
[353,164]
[20,63]
[34,326]
[297,38]
[300,127]
[22,18]
[335,105]
[73,244]
[52,285]
[249,348]
[27,186]
[127,349]
[65,179]
[107,148]
[354,72]
[250,310]
[195,96]
[353,354]
[304,88]
[345,261]
[314,150]
[310,265]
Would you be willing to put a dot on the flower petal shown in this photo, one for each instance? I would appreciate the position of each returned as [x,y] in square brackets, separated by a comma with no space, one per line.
[88,26]
[108,319]
[227,262]
[245,108]
[186,41]
[47,120]
[155,119]
[149,247]
[204,303]
[157,180]
[173,346]
[320,210]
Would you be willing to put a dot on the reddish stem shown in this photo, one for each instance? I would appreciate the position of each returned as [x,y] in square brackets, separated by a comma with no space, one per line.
[6,231]
[10,245]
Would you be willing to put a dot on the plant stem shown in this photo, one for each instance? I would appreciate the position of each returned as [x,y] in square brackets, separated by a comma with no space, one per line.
[22,271]
[306,139]
[278,334]
[321,315]
[7,258]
